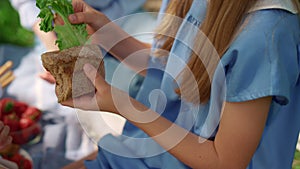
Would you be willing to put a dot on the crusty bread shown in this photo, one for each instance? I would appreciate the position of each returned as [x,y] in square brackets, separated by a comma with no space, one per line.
[66,67]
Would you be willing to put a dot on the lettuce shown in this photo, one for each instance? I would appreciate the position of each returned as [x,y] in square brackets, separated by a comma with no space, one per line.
[68,35]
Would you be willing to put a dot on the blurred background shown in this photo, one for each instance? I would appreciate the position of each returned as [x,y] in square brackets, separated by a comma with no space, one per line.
[63,137]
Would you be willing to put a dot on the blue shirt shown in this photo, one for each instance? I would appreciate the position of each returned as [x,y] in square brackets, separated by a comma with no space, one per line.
[263,60]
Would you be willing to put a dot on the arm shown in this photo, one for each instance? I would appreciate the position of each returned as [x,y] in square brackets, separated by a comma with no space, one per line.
[48,39]
[125,48]
[241,124]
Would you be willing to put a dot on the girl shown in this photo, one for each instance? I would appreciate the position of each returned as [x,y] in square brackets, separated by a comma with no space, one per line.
[231,106]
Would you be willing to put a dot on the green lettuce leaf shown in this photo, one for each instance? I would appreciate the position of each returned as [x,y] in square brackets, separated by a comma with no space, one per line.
[68,35]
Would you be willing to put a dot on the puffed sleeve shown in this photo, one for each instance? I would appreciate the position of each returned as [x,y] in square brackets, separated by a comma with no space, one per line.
[27,10]
[264,58]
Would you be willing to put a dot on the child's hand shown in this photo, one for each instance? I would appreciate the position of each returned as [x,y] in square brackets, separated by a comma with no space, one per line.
[88,15]
[5,139]
[6,164]
[47,77]
[105,98]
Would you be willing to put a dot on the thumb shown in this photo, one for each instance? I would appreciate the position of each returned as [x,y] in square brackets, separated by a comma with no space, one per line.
[97,80]
[77,18]
[89,18]
[83,17]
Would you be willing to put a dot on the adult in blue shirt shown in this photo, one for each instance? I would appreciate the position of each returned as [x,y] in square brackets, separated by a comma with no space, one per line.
[247,117]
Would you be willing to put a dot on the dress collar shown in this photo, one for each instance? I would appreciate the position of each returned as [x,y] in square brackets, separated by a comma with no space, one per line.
[287,5]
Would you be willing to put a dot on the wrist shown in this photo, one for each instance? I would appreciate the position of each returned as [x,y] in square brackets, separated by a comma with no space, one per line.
[132,110]
[108,35]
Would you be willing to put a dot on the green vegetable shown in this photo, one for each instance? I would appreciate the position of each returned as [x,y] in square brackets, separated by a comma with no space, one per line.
[11,30]
[68,35]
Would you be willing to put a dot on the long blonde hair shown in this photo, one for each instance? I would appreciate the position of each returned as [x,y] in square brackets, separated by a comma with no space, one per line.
[222,20]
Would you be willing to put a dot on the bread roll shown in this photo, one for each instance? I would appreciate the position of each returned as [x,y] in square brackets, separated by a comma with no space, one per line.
[67,68]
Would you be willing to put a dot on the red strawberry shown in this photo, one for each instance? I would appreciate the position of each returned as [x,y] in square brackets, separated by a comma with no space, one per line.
[32,113]
[21,161]
[26,164]
[10,150]
[31,132]
[12,120]
[16,158]
[36,130]
[18,138]
[20,107]
[26,122]
[6,105]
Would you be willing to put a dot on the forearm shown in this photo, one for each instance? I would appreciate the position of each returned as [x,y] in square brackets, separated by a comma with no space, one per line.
[48,39]
[241,124]
[124,47]
[187,147]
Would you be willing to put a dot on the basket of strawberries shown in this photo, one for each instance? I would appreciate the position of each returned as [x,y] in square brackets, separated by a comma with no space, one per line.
[16,154]
[22,119]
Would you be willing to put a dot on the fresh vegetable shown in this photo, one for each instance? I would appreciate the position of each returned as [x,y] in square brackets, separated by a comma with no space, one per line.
[32,113]
[20,108]
[6,105]
[9,105]
[26,164]
[20,160]
[12,120]
[11,30]
[10,150]
[22,119]
[31,132]
[26,122]
[68,35]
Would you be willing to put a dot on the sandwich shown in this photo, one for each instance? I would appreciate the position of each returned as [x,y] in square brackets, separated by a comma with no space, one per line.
[66,64]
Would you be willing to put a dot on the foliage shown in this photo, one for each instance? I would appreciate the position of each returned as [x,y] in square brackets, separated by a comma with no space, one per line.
[68,35]
[296,164]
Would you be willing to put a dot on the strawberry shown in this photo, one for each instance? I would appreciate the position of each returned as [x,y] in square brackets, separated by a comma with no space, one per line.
[20,107]
[32,113]
[26,164]
[18,138]
[31,131]
[12,120]
[6,106]
[10,150]
[15,158]
[26,122]
[20,160]
[36,130]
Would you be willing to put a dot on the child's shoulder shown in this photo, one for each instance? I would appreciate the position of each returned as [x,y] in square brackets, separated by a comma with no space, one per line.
[272,22]
[270,26]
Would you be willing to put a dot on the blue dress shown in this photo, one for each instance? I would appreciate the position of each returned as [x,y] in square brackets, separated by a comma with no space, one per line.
[263,60]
